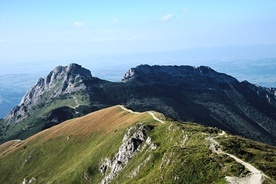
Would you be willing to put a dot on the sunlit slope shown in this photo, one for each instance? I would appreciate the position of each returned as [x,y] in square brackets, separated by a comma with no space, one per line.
[68,149]
[77,150]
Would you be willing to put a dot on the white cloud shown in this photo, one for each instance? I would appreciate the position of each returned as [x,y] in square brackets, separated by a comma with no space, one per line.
[185,10]
[117,39]
[114,21]
[167,17]
[132,39]
[78,24]
[102,40]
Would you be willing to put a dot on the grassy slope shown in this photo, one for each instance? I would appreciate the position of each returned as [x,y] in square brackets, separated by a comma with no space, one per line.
[74,149]
[33,124]
[67,150]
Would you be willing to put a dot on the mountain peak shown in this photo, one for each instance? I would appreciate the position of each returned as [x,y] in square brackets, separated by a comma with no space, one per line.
[77,69]
[62,80]
[69,70]
[156,74]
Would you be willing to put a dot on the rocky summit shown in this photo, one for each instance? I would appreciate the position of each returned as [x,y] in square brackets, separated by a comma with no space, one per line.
[62,80]
[175,74]
[183,93]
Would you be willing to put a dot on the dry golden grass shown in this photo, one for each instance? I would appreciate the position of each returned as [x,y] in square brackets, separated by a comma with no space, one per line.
[7,146]
[101,121]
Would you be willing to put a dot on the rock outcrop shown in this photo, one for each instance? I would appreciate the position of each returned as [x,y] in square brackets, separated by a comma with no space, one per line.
[60,81]
[135,136]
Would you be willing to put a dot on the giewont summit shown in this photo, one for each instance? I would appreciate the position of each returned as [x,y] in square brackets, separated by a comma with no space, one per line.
[60,81]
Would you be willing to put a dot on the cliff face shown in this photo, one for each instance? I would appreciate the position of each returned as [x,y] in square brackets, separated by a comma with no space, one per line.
[60,81]
[175,74]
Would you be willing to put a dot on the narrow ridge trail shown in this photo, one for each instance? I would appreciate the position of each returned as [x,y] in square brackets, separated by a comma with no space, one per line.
[77,102]
[151,113]
[255,177]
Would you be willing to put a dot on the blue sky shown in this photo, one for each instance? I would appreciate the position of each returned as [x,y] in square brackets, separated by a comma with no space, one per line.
[64,29]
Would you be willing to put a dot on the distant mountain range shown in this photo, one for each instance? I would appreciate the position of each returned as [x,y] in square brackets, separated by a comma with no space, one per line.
[183,93]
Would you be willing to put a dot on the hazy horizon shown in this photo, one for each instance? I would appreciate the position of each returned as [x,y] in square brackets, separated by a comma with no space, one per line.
[110,37]
[193,57]
[61,32]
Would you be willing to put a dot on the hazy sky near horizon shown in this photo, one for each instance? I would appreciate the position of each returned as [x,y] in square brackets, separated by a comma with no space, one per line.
[65,29]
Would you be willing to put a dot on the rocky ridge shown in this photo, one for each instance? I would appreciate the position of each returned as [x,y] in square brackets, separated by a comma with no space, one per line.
[179,74]
[268,94]
[203,95]
[183,93]
[175,74]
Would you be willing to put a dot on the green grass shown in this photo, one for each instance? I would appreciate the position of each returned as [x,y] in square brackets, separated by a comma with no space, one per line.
[188,164]
[261,155]
[59,159]
[34,123]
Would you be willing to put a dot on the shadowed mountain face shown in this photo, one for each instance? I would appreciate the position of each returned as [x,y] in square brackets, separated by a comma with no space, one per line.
[182,93]
[205,96]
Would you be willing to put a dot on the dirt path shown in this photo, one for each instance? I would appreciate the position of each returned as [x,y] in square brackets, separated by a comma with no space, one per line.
[154,117]
[76,101]
[128,110]
[255,177]
[151,113]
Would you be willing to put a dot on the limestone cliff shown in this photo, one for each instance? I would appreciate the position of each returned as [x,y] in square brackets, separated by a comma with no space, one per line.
[60,81]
